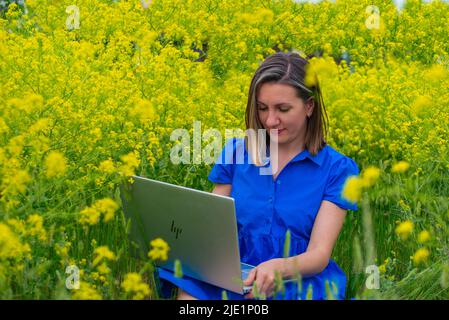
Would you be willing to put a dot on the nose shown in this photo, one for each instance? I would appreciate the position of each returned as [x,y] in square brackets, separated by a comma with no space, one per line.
[272,119]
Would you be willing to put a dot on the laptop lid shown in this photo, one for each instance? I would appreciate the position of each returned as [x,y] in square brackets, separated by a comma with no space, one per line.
[199,227]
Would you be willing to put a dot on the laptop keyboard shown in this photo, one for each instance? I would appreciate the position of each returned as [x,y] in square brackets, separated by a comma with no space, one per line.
[245,270]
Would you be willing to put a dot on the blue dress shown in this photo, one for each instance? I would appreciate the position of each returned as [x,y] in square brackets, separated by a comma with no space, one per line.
[266,209]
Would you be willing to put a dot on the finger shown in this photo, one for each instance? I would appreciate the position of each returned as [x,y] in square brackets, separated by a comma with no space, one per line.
[264,287]
[268,286]
[250,279]
[270,291]
[259,284]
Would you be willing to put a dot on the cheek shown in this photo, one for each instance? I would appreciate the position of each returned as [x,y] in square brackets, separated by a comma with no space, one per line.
[294,121]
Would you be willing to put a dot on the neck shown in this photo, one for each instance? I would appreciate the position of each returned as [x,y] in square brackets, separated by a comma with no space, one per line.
[292,148]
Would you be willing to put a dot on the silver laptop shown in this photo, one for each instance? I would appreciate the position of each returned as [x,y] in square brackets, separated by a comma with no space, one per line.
[199,227]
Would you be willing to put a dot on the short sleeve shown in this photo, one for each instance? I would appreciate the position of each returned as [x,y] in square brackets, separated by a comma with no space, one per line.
[223,169]
[340,171]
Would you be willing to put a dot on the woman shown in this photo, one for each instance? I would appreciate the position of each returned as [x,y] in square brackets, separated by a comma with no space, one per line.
[303,195]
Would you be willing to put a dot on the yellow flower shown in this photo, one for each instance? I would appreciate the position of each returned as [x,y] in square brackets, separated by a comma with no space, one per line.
[56,164]
[404,229]
[352,190]
[86,292]
[31,3]
[421,256]
[36,227]
[15,145]
[133,284]
[423,236]
[103,268]
[62,250]
[400,167]
[370,176]
[160,249]
[144,110]
[265,15]
[311,77]
[36,100]
[2,155]
[95,275]
[40,126]
[101,253]
[3,126]
[17,225]
[317,69]
[14,182]
[104,280]
[383,267]
[130,163]
[13,11]
[403,205]
[108,207]
[421,104]
[10,245]
[90,216]
[107,166]
[436,73]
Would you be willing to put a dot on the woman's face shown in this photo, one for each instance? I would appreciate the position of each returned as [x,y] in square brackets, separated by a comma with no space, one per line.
[279,108]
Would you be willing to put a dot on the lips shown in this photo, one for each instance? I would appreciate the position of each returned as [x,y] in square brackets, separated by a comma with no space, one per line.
[279,131]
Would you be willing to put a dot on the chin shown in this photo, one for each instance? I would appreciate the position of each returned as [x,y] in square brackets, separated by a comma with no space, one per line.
[283,140]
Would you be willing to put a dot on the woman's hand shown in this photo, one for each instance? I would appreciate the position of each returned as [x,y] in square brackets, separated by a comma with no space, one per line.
[263,276]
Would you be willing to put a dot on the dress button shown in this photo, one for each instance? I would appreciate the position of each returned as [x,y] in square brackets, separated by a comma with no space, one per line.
[279,181]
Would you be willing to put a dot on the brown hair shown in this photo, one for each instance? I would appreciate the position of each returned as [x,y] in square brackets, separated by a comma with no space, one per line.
[288,68]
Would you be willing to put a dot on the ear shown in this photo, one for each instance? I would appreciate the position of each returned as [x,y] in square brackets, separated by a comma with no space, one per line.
[310,105]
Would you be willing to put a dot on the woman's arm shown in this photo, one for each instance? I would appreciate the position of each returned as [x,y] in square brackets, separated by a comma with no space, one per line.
[326,228]
[222,189]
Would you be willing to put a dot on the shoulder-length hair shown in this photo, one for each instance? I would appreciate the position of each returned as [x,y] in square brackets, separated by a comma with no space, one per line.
[287,68]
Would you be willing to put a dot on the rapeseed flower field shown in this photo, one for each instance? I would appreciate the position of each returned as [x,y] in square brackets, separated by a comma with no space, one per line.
[90,92]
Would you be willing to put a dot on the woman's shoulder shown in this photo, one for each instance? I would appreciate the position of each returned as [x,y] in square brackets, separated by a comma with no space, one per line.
[233,151]
[234,140]
[339,167]
[235,144]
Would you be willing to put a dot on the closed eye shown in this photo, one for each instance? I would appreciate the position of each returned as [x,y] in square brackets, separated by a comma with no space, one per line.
[282,107]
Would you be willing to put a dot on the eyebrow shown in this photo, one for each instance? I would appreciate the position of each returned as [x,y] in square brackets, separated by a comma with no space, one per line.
[277,104]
